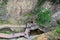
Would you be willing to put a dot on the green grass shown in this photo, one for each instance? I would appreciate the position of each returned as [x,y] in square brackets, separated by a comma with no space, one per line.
[6,32]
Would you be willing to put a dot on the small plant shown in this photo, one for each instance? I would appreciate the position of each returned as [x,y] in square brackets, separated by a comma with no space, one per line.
[40,2]
[6,32]
[55,1]
[43,17]
[58,22]
[57,30]
[4,21]
[27,14]
[3,2]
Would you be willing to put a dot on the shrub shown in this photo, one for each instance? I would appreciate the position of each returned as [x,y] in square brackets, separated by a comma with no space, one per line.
[58,22]
[43,17]
[4,2]
[57,30]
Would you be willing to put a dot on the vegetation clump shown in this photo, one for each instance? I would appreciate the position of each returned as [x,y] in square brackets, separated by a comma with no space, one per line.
[58,22]
[3,2]
[4,21]
[6,32]
[57,30]
[43,17]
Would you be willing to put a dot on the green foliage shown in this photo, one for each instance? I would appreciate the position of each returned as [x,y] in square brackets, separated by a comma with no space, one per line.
[4,21]
[40,2]
[57,30]
[55,1]
[36,11]
[39,10]
[4,2]
[1,21]
[6,32]
[25,18]
[27,14]
[43,17]
[58,22]
[38,6]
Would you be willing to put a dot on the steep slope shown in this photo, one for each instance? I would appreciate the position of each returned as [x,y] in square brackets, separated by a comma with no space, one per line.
[17,8]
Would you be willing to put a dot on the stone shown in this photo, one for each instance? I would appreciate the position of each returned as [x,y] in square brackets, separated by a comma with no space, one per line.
[17,8]
[42,37]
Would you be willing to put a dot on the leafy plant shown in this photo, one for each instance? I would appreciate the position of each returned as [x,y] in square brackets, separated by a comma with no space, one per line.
[6,32]
[38,6]
[40,2]
[55,1]
[43,17]
[58,22]
[57,30]
[4,21]
[4,2]
[27,14]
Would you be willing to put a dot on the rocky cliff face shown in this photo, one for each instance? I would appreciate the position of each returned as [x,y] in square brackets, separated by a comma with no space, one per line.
[13,11]
[16,9]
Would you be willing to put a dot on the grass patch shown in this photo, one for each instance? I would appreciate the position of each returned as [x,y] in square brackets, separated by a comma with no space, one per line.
[6,32]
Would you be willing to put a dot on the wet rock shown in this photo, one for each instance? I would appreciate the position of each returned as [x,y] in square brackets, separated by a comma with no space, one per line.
[36,32]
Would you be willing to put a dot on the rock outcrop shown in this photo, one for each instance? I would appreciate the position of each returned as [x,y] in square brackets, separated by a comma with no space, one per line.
[17,8]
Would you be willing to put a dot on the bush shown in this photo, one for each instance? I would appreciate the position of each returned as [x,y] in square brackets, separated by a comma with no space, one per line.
[43,17]
[4,2]
[58,22]
[57,30]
